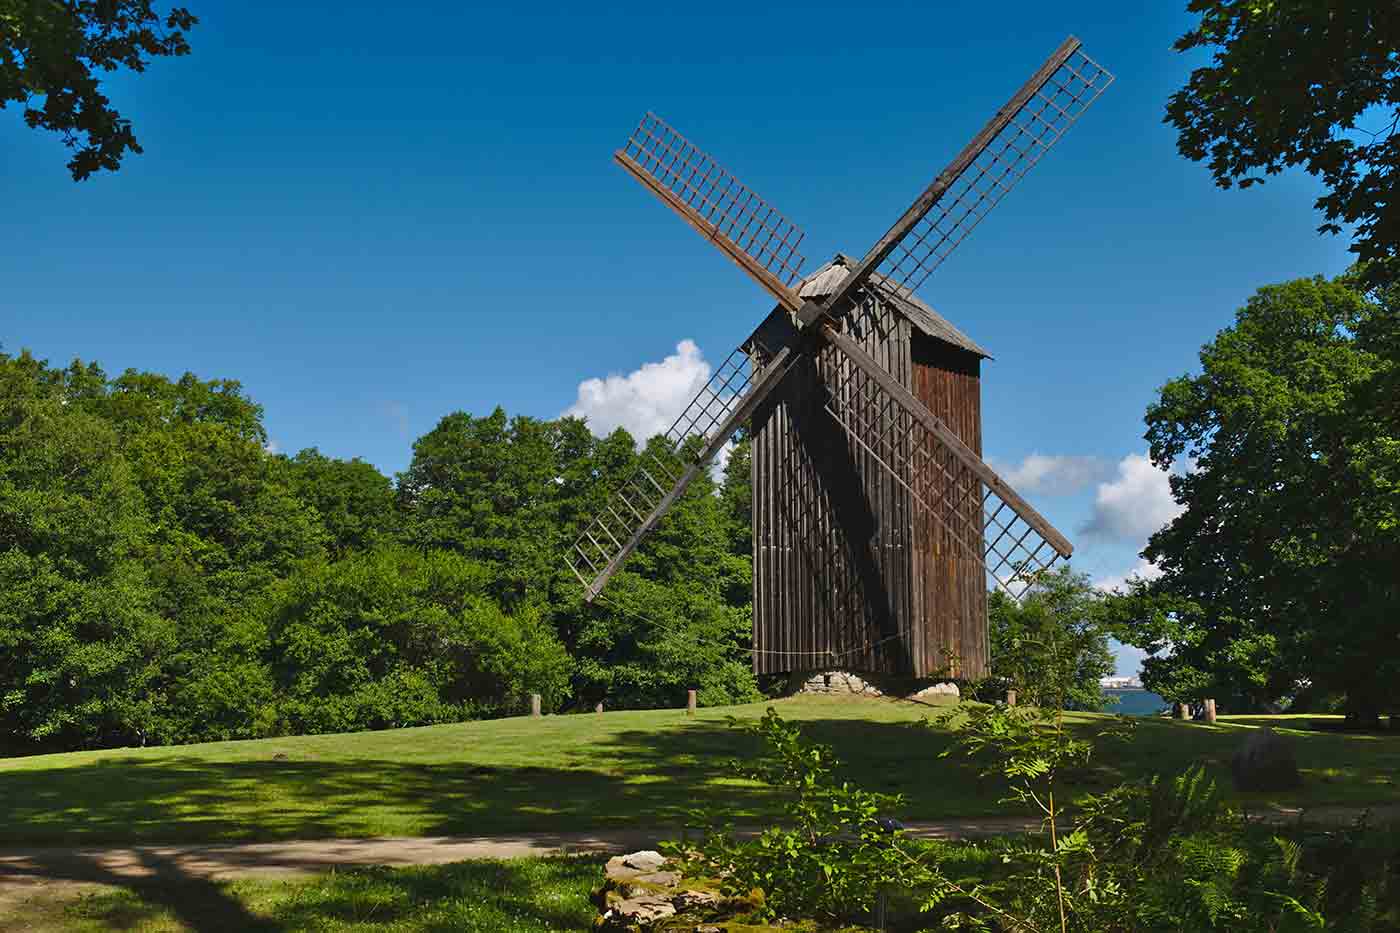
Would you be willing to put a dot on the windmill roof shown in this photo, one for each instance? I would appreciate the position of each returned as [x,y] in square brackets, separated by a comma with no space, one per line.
[928,321]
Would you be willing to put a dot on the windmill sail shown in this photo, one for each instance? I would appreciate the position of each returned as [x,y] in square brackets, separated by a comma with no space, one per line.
[708,422]
[988,167]
[746,228]
[979,513]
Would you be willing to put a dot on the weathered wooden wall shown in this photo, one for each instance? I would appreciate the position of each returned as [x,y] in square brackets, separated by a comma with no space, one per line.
[847,572]
[950,587]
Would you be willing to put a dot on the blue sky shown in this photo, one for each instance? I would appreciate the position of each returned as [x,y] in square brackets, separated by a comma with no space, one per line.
[376,214]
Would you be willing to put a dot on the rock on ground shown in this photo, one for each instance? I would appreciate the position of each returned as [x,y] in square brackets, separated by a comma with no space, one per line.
[939,690]
[1265,761]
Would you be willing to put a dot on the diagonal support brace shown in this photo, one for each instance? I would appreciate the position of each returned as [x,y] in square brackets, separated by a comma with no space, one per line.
[935,426]
[772,375]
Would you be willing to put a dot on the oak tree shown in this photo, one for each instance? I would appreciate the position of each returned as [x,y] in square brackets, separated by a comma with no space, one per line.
[52,53]
[1308,83]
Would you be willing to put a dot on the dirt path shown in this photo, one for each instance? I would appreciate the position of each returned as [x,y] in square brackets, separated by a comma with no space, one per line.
[21,867]
[113,865]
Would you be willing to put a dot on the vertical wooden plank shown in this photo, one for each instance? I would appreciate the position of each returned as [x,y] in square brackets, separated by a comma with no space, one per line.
[775,580]
[759,475]
[783,440]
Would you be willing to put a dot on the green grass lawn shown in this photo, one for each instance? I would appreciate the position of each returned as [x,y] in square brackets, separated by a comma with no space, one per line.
[639,769]
[516,896]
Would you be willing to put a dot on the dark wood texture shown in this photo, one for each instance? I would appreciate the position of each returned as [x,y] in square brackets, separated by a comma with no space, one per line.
[950,588]
[848,572]
[831,562]
[900,394]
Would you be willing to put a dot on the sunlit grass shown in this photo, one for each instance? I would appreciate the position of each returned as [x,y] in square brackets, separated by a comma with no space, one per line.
[642,769]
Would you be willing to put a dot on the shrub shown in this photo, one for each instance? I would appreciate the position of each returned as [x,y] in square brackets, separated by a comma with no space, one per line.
[393,637]
[1155,856]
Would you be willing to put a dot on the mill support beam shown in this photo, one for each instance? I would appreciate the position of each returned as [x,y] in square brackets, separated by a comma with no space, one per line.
[771,376]
[935,426]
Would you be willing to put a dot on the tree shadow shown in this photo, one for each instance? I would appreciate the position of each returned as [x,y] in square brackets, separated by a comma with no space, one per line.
[647,778]
[489,895]
[199,903]
[644,778]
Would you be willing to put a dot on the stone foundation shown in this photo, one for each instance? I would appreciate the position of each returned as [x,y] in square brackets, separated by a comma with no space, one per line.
[844,683]
[838,682]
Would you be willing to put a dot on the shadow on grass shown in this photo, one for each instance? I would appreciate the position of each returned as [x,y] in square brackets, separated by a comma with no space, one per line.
[199,904]
[517,896]
[646,778]
[643,778]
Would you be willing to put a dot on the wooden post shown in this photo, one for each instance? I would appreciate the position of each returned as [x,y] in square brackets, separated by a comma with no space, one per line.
[599,708]
[534,704]
[1210,711]
[1181,711]
[1011,698]
[690,702]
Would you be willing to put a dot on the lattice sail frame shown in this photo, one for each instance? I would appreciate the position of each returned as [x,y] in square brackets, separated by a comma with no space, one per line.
[764,243]
[723,205]
[1011,153]
[657,473]
[977,519]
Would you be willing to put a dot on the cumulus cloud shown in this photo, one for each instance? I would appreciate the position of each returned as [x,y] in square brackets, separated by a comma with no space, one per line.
[645,401]
[1133,505]
[1143,569]
[1057,475]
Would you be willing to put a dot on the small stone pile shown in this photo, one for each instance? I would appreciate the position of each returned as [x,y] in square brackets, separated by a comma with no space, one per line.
[844,682]
[839,682]
[946,691]
[640,895]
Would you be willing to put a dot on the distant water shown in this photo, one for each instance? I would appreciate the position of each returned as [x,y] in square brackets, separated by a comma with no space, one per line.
[1135,703]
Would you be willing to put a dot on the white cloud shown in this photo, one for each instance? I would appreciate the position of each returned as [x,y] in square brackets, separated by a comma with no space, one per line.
[1057,475]
[1144,569]
[646,401]
[271,447]
[1133,505]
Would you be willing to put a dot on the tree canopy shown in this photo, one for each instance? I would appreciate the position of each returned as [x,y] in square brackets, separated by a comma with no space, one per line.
[51,55]
[1280,574]
[1309,83]
[1050,645]
[165,578]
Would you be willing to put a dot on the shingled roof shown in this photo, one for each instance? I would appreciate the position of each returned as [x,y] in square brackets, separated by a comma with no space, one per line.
[928,321]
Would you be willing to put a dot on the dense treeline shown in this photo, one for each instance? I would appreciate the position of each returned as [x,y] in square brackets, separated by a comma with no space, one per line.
[164,578]
[1281,577]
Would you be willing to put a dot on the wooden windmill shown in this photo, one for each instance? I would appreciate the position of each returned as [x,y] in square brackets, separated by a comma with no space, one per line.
[877,525]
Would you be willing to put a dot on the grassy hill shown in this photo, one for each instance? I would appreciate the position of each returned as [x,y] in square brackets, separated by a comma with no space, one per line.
[635,768]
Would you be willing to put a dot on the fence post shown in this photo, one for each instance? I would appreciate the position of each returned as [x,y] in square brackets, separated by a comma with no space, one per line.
[534,704]
[690,702]
[1210,711]
[1011,698]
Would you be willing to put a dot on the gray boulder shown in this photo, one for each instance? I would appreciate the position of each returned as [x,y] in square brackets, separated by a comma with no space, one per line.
[1265,761]
[645,860]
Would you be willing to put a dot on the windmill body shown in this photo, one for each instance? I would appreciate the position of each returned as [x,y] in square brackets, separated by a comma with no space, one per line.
[877,525]
[849,571]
